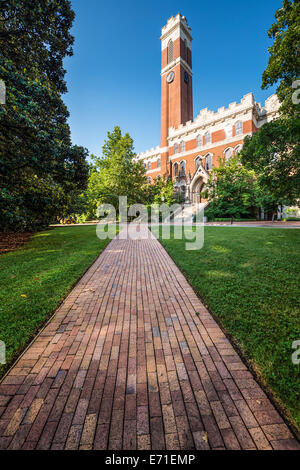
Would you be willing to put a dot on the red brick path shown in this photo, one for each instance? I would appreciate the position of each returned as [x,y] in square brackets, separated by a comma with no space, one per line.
[127,364]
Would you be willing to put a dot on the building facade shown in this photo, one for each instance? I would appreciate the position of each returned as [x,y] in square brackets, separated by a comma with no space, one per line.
[191,147]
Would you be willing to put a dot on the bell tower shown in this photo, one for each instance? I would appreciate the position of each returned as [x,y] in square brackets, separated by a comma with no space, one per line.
[176,75]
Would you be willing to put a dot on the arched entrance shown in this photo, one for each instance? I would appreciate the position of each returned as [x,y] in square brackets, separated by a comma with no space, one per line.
[197,188]
[197,184]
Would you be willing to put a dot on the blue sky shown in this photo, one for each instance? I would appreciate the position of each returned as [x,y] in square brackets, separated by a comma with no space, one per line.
[114,76]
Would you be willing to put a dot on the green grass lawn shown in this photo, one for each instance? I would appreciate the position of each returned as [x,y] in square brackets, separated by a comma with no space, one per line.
[36,277]
[250,280]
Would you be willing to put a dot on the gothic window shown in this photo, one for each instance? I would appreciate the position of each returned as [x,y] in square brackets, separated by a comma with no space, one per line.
[208,162]
[228,154]
[175,169]
[182,168]
[198,140]
[207,138]
[175,148]
[158,162]
[185,50]
[149,179]
[182,146]
[149,166]
[198,162]
[170,51]
[238,128]
[237,149]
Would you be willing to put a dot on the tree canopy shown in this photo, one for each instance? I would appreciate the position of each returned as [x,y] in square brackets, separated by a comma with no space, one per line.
[274,152]
[284,60]
[230,190]
[37,37]
[115,173]
[36,153]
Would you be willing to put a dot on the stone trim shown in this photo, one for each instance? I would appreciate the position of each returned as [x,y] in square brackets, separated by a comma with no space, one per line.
[178,61]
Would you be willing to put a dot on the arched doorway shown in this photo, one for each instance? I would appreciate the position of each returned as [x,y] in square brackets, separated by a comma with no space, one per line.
[196,191]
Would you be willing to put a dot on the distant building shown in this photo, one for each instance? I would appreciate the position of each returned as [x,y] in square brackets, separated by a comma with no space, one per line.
[190,147]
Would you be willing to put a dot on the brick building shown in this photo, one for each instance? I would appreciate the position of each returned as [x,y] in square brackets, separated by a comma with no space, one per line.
[190,147]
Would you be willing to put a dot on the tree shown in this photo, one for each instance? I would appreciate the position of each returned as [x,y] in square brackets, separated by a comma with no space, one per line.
[116,173]
[274,152]
[34,42]
[230,190]
[35,144]
[37,37]
[265,200]
[160,192]
[284,61]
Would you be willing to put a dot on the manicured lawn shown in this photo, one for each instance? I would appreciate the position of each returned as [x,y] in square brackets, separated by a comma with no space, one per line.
[36,277]
[250,280]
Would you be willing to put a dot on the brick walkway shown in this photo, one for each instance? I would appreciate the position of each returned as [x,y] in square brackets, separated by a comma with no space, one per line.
[127,364]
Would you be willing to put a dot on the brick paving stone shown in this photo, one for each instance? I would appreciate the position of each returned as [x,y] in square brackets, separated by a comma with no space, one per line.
[260,439]
[242,433]
[276,432]
[172,441]
[201,440]
[286,444]
[230,439]
[47,436]
[125,363]
[143,442]
[157,433]
[130,435]
[101,437]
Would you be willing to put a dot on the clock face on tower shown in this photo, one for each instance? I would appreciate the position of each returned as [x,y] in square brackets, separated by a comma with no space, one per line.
[170,77]
[186,77]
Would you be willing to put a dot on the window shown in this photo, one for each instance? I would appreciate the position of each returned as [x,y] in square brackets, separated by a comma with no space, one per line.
[175,169]
[197,162]
[198,140]
[145,166]
[208,162]
[238,128]
[175,148]
[207,138]
[237,149]
[182,168]
[228,131]
[182,146]
[228,154]
[149,166]
[158,162]
[185,50]
[149,180]
[158,178]
[170,51]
